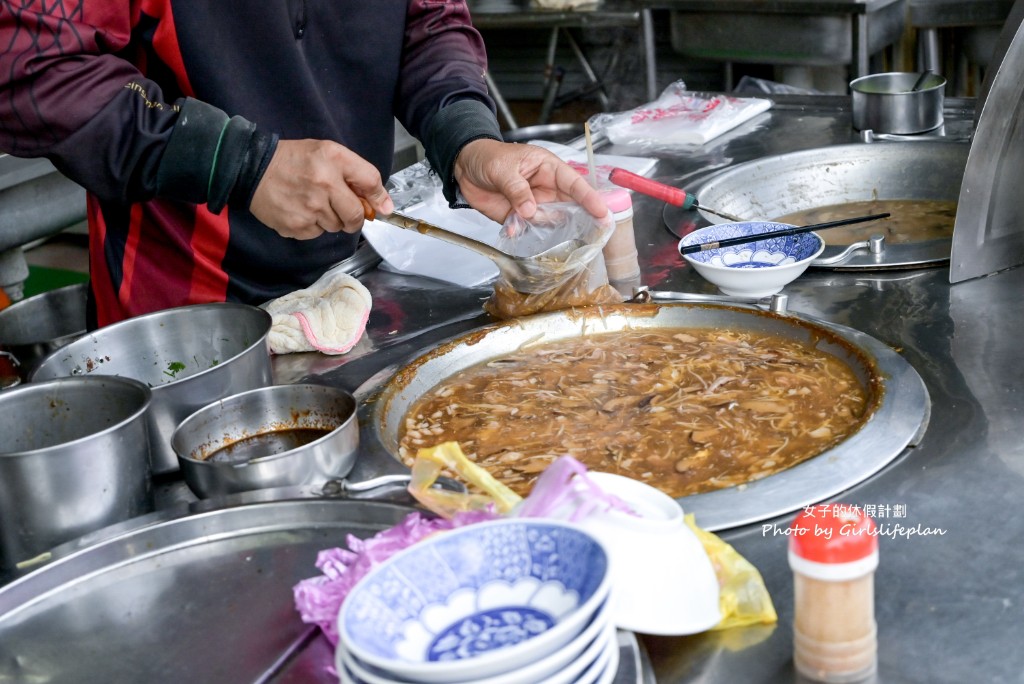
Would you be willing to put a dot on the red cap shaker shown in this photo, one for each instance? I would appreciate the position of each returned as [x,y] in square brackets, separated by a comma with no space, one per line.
[833,552]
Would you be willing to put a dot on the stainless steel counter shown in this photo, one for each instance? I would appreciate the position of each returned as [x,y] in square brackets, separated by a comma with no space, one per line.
[950,589]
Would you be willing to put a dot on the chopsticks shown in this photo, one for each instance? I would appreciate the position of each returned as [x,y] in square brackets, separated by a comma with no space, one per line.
[795,230]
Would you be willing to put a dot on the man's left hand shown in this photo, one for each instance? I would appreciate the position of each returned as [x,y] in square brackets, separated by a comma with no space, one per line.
[497,178]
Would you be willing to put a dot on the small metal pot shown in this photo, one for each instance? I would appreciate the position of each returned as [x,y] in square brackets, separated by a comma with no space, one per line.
[250,440]
[190,356]
[74,458]
[887,103]
[37,326]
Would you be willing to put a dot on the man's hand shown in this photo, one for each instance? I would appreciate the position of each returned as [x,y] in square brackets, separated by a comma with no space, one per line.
[497,178]
[313,187]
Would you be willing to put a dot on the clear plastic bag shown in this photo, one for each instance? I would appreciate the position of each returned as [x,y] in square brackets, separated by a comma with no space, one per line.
[579,279]
[447,458]
[678,118]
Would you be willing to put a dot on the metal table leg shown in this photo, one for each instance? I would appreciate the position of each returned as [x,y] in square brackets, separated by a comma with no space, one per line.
[502,105]
[647,34]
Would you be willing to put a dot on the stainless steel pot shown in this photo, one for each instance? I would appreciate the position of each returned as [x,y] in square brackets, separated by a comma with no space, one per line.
[37,326]
[74,458]
[900,416]
[190,356]
[887,103]
[256,423]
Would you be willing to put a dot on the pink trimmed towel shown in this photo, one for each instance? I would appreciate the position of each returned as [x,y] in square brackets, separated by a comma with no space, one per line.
[329,316]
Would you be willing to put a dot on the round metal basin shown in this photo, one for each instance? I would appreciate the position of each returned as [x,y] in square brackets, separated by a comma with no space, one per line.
[771,187]
[900,398]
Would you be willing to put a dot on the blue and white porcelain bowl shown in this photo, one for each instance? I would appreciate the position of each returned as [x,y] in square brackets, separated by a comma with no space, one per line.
[754,269]
[476,601]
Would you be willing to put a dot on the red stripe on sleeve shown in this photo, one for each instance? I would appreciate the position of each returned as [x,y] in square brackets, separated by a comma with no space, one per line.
[104,292]
[209,245]
[165,41]
[131,251]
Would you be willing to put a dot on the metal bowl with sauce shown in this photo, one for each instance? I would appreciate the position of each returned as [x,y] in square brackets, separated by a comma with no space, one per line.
[276,436]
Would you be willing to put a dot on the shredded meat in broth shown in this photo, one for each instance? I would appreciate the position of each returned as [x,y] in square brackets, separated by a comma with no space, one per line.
[687,411]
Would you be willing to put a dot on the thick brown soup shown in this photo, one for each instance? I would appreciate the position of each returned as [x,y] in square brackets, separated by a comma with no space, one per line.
[687,411]
[911,220]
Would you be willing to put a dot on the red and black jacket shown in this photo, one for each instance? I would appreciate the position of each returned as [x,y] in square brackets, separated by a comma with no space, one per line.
[167,112]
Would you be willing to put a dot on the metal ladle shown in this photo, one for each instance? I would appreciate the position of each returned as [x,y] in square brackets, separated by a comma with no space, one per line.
[532,275]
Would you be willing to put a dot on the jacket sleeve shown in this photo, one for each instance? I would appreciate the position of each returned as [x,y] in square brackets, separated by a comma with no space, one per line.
[443,97]
[67,95]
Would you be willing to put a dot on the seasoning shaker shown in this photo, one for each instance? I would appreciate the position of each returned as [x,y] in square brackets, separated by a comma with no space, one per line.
[833,552]
[620,255]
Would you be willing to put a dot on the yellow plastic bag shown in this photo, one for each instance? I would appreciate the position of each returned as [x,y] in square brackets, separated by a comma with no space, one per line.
[429,464]
[743,598]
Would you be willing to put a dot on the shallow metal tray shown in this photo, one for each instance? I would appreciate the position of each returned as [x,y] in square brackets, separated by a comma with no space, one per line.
[898,421]
[769,187]
[197,597]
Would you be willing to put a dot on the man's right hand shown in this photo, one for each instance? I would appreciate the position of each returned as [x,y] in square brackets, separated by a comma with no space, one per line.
[313,187]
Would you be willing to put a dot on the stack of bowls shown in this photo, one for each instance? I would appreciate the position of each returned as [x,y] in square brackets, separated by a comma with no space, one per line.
[512,601]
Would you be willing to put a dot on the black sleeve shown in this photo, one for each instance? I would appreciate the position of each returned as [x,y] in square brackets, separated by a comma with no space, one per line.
[212,158]
[449,130]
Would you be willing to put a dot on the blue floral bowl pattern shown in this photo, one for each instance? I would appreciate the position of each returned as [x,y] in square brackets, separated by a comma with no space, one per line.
[753,269]
[777,251]
[474,594]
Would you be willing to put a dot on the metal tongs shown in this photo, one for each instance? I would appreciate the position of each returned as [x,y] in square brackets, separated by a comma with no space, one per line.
[533,275]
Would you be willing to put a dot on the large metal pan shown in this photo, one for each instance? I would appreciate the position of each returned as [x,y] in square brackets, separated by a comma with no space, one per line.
[767,188]
[900,396]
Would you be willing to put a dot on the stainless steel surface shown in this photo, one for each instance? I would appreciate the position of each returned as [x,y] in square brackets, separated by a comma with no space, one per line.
[948,587]
[37,326]
[557,132]
[801,32]
[895,424]
[897,103]
[190,356]
[73,459]
[264,411]
[198,596]
[202,598]
[773,186]
[989,232]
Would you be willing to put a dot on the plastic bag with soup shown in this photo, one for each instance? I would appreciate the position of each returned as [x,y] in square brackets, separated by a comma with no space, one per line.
[580,279]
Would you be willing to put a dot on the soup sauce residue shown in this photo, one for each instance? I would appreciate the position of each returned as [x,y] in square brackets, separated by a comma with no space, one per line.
[687,411]
[911,220]
[266,444]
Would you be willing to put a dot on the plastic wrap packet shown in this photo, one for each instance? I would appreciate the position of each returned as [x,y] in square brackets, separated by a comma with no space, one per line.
[743,597]
[579,280]
[318,599]
[556,494]
[678,118]
[447,458]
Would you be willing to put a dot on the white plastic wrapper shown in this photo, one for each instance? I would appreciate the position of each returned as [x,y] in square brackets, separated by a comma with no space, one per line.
[678,118]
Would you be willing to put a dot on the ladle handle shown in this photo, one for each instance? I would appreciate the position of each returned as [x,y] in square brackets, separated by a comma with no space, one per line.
[424,228]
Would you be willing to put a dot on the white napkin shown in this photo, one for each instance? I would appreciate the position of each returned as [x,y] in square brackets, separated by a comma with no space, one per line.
[329,316]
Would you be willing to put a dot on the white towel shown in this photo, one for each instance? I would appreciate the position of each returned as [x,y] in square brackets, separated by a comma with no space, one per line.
[329,316]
